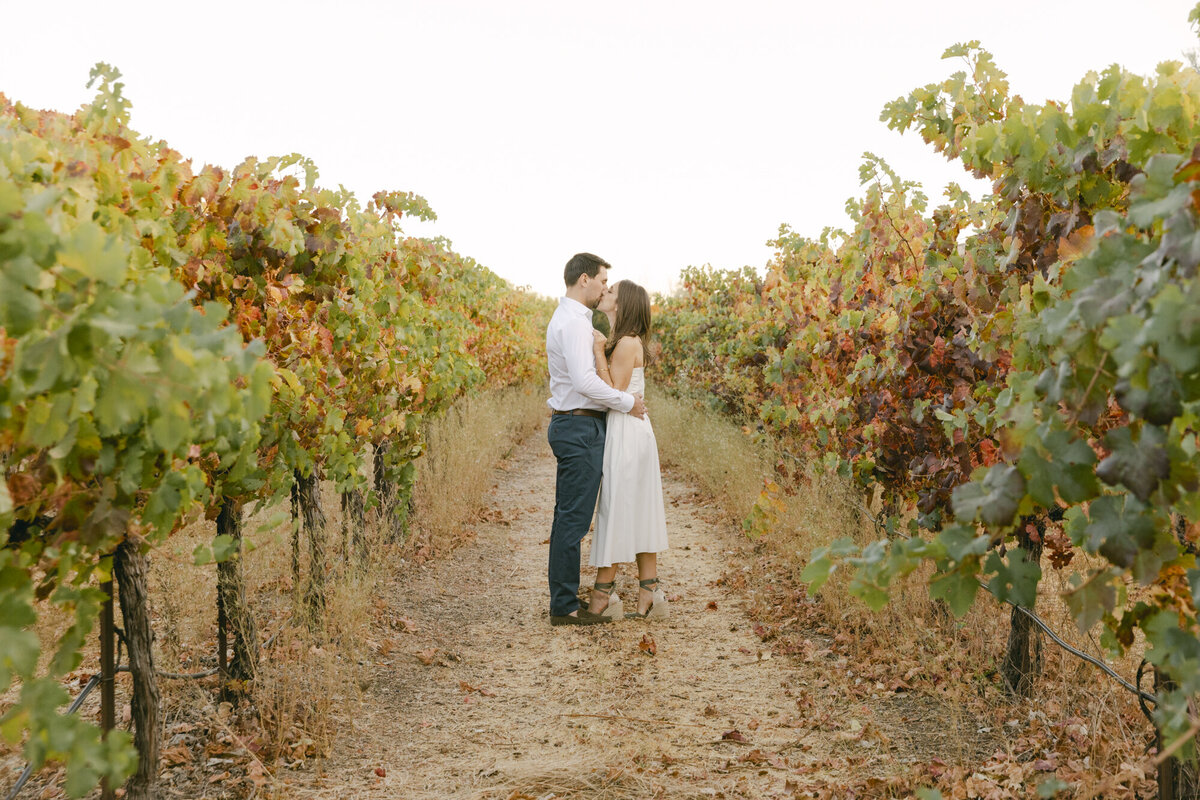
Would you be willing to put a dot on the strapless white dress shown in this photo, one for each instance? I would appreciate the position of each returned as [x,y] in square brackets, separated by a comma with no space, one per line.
[630,517]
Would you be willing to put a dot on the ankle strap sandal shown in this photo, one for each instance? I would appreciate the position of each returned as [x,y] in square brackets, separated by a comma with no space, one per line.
[615,608]
[658,601]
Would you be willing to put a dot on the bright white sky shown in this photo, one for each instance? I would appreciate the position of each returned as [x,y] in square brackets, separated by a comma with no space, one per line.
[655,134]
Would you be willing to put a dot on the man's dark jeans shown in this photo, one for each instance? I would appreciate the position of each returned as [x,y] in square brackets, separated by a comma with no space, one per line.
[578,444]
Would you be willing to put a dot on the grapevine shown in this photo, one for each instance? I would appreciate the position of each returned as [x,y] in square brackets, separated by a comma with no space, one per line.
[174,341]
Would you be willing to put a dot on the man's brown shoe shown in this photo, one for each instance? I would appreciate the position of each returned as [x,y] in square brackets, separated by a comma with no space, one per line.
[585,618]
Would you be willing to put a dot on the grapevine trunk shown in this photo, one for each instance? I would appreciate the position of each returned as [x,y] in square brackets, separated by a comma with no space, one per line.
[231,589]
[131,567]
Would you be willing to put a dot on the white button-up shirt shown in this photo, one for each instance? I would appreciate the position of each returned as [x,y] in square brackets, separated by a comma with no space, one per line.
[573,379]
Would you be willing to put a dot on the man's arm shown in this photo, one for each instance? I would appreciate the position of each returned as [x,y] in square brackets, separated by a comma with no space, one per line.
[577,348]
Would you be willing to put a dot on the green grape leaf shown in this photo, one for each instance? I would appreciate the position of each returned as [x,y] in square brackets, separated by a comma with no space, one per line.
[172,427]
[95,254]
[13,724]
[957,588]
[960,542]
[994,500]
[1116,530]
[20,649]
[1016,579]
[1069,469]
[822,564]
[1140,464]
[224,547]
[1160,402]
[1091,600]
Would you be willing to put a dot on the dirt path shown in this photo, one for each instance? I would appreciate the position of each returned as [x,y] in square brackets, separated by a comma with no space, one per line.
[484,699]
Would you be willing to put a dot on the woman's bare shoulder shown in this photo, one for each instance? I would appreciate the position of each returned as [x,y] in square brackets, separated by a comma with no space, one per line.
[630,343]
[629,350]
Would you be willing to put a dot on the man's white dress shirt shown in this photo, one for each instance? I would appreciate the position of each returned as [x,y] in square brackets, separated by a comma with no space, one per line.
[573,379]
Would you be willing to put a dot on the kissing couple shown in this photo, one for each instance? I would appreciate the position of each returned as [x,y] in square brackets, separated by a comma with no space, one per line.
[604,445]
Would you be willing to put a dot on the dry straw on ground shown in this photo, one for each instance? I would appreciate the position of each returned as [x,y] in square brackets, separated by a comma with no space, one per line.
[464,446]
[442,678]
[309,670]
[732,467]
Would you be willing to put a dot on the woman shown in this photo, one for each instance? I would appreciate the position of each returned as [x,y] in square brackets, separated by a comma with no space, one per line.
[631,523]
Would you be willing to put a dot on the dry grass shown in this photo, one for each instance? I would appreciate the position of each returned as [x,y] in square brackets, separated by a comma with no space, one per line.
[464,446]
[960,657]
[715,455]
[309,670]
[589,777]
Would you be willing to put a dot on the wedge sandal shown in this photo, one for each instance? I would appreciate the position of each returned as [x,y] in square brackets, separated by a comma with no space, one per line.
[615,608]
[658,602]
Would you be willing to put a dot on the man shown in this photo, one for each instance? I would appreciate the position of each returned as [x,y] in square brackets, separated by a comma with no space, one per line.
[578,403]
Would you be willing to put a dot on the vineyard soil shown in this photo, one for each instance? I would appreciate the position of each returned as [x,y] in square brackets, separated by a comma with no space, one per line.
[473,694]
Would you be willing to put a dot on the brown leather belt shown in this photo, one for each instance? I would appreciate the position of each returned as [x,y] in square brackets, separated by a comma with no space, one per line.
[581,412]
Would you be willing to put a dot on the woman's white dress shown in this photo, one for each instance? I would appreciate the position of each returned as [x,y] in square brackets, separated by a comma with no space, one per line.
[630,518]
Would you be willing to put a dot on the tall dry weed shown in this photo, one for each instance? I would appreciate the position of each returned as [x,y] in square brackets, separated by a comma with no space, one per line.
[731,467]
[310,667]
[463,448]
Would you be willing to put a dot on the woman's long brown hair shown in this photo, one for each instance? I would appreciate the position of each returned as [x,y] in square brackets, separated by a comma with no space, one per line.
[633,318]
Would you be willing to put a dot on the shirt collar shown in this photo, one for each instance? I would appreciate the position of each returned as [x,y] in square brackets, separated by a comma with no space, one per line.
[575,307]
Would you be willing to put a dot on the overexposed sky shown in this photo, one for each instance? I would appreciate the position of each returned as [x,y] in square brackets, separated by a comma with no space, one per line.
[655,134]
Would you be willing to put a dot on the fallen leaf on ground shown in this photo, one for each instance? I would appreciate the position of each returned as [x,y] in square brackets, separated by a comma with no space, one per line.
[174,756]
[647,645]
[408,625]
[256,774]
[755,756]
[734,736]
[468,688]
[712,605]
[426,656]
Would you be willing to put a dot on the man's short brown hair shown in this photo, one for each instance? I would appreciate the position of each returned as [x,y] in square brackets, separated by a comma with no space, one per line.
[583,264]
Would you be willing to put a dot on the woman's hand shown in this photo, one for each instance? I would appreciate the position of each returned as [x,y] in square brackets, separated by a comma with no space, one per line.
[598,340]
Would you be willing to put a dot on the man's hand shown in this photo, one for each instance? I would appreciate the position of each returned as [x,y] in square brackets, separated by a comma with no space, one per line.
[639,407]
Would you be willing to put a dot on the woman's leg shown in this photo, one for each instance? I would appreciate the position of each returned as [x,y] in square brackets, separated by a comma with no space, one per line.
[647,564]
[599,600]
